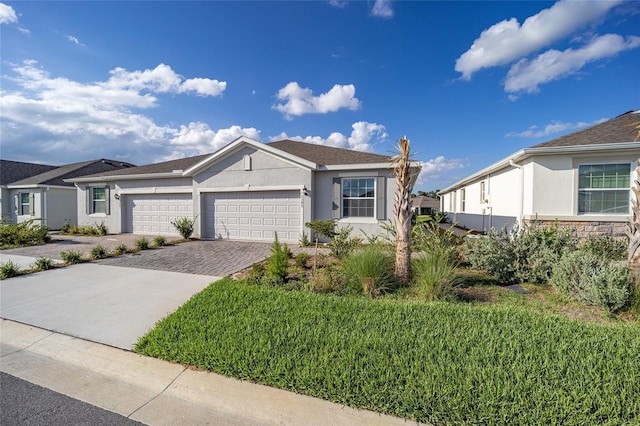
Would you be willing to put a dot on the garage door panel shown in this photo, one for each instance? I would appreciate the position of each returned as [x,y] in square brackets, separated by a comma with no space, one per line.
[252,215]
[153,213]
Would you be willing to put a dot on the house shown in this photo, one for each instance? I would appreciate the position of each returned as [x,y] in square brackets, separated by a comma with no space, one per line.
[245,190]
[423,205]
[581,180]
[36,191]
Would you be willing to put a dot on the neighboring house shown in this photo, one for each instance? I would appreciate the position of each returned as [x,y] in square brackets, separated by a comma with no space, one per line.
[581,180]
[35,191]
[245,190]
[423,205]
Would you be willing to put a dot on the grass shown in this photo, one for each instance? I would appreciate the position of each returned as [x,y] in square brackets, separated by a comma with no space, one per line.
[433,362]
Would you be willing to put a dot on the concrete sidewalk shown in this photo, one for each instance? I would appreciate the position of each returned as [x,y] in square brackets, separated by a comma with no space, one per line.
[156,392]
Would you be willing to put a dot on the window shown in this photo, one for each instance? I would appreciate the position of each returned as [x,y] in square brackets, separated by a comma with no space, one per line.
[452,202]
[483,192]
[358,197]
[463,199]
[604,188]
[25,204]
[98,200]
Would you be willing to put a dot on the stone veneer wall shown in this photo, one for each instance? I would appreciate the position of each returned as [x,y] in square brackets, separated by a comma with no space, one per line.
[584,229]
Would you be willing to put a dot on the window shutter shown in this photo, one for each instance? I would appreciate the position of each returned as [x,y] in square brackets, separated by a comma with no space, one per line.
[88,197]
[381,192]
[337,195]
[16,203]
[107,201]
[32,202]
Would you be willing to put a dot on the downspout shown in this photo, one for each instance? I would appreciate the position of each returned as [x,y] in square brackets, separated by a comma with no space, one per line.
[521,203]
[43,207]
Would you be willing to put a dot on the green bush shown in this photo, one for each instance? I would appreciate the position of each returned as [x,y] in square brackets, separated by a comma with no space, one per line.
[304,240]
[521,255]
[329,279]
[121,249]
[184,226]
[301,259]
[342,244]
[322,229]
[276,270]
[96,230]
[42,264]
[25,233]
[434,273]
[606,247]
[8,270]
[142,244]
[98,252]
[369,270]
[593,280]
[71,257]
[160,241]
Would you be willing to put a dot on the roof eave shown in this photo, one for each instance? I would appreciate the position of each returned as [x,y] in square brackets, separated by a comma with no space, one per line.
[37,185]
[166,175]
[365,166]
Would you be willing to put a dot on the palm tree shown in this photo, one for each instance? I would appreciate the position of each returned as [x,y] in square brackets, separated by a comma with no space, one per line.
[402,210]
[633,226]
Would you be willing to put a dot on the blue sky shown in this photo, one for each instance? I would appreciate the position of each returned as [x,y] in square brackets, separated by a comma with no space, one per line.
[467,82]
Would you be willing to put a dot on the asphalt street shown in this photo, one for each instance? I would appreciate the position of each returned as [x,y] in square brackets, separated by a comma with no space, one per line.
[23,403]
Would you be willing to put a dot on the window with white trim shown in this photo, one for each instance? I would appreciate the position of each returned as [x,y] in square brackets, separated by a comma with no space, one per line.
[25,204]
[463,199]
[98,200]
[483,192]
[358,197]
[604,188]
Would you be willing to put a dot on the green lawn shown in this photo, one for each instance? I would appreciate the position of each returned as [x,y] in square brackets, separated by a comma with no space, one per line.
[443,363]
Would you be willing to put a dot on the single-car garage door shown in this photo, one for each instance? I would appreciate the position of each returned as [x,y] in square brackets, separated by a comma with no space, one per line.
[252,215]
[152,214]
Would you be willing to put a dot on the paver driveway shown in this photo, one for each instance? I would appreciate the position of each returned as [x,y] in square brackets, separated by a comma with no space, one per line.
[217,258]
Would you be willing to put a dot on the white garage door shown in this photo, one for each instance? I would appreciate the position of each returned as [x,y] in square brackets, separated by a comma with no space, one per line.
[152,214]
[253,216]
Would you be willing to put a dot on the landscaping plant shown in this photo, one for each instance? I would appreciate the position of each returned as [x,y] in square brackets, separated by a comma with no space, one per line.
[71,257]
[184,226]
[25,233]
[142,244]
[434,273]
[592,280]
[342,244]
[98,252]
[160,241]
[9,269]
[121,249]
[606,247]
[369,271]
[43,264]
[276,270]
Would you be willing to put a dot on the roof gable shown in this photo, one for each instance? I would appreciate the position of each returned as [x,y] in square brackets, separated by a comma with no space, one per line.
[57,175]
[328,155]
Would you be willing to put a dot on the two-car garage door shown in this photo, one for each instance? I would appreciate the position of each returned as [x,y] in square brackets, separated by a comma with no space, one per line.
[255,216]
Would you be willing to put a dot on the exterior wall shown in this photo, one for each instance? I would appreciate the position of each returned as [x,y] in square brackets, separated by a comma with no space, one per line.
[266,173]
[38,210]
[6,205]
[361,226]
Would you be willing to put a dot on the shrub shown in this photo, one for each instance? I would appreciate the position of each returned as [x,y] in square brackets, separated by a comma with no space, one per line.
[142,244]
[524,255]
[434,273]
[593,280]
[301,259]
[71,257]
[42,264]
[304,240]
[370,270]
[121,249]
[22,234]
[160,241]
[98,252]
[277,263]
[99,230]
[102,229]
[8,270]
[326,280]
[342,244]
[634,297]
[322,228]
[606,247]
[184,226]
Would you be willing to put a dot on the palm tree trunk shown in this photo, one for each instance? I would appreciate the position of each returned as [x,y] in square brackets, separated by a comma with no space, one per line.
[402,212]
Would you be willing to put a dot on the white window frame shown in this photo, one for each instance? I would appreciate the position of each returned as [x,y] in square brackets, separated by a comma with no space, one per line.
[92,200]
[603,190]
[483,191]
[372,198]
[25,209]
[463,200]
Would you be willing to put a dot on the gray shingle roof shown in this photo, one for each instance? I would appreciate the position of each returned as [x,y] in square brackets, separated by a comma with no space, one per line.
[423,201]
[57,175]
[13,171]
[616,130]
[164,167]
[328,155]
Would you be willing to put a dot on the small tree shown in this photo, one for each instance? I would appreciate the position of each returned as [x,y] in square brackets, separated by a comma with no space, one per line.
[184,225]
[321,229]
[402,210]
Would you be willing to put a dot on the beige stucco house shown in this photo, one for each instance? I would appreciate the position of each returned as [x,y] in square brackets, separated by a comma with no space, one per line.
[247,190]
[581,180]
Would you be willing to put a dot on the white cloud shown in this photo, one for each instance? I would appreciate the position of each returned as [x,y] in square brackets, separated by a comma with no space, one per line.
[74,40]
[24,30]
[382,9]
[7,14]
[61,120]
[436,167]
[299,101]
[363,136]
[507,41]
[340,4]
[526,75]
[553,128]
